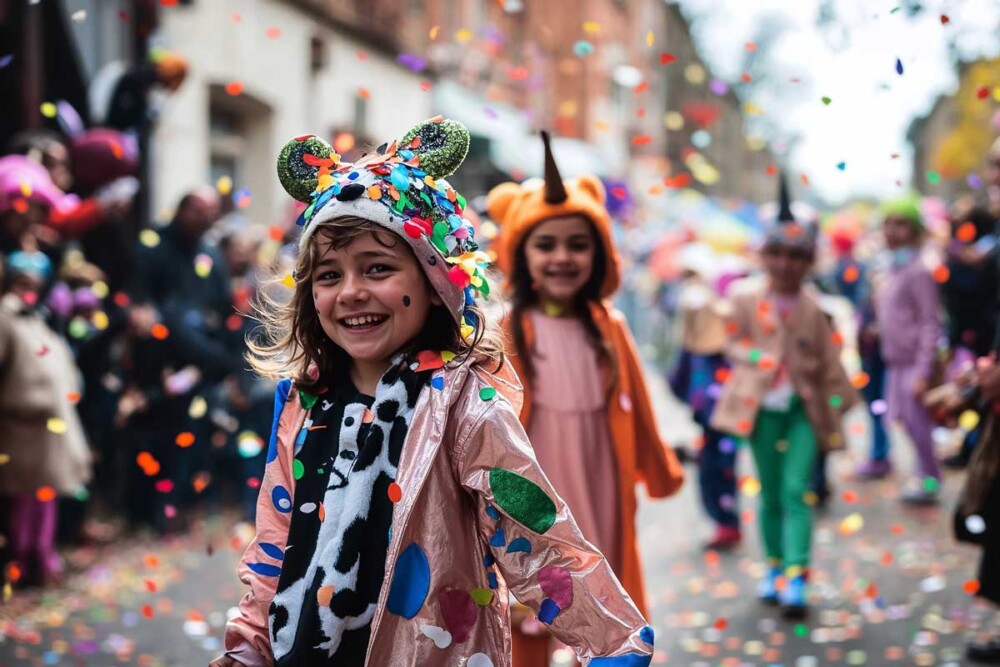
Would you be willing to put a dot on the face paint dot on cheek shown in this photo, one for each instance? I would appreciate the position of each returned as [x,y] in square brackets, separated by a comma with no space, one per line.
[406,301]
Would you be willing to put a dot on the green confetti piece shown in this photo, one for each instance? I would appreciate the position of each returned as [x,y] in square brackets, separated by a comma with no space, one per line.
[486,393]
[827,100]
[441,230]
[82,494]
[298,469]
[836,401]
[801,630]
[931,485]
[933,177]
[307,400]
[523,500]
[754,356]
[461,201]
[482,596]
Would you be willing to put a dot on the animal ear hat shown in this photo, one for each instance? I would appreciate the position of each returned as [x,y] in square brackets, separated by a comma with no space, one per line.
[519,208]
[786,231]
[402,188]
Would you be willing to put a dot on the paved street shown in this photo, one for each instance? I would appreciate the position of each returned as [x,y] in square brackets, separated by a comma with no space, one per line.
[888,589]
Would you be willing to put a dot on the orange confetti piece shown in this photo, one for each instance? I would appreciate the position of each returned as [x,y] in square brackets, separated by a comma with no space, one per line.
[195,615]
[722,375]
[837,339]
[721,624]
[185,439]
[966,232]
[851,274]
[745,77]
[324,595]
[941,274]
[751,46]
[21,205]
[321,513]
[13,572]
[641,140]
[860,380]
[276,232]
[150,585]
[971,587]
[897,529]
[887,558]
[375,192]
[45,494]
[771,170]
[364,93]
[234,88]
[73,397]
[850,497]
[395,492]
[159,331]
[147,610]
[642,87]
[274,32]
[151,560]
[805,179]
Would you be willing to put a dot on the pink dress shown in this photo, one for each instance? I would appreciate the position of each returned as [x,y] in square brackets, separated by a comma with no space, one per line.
[570,432]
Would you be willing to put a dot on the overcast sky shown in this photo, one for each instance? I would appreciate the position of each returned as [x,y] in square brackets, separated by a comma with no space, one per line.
[870,105]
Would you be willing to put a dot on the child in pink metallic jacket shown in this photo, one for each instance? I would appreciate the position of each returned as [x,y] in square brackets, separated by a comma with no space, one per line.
[401,501]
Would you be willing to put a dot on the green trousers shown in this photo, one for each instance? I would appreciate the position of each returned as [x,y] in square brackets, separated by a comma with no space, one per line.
[784,449]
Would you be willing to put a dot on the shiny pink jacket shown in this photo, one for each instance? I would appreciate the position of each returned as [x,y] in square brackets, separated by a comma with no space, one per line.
[477,520]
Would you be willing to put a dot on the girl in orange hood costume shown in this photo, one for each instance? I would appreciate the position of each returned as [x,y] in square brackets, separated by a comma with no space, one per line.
[585,403]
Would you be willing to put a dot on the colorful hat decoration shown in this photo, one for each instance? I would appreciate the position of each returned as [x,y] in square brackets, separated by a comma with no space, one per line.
[787,231]
[907,208]
[402,188]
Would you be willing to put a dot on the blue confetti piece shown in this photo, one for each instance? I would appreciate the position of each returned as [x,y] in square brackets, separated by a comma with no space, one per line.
[438,382]
[400,178]
[630,660]
[548,611]
[519,545]
[265,569]
[6,60]
[492,513]
[489,560]
[491,578]
[499,539]
[647,635]
[281,499]
[272,550]
[899,67]
[411,580]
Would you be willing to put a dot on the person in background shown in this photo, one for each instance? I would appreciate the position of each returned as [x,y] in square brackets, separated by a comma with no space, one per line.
[908,314]
[47,456]
[586,407]
[27,196]
[695,379]
[786,394]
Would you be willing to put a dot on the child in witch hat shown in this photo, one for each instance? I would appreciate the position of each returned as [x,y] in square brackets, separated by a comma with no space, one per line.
[786,395]
[586,409]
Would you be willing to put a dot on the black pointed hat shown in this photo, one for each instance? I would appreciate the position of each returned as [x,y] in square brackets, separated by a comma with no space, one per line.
[555,191]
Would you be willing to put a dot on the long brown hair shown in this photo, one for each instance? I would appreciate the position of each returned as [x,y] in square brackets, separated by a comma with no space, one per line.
[290,341]
[524,296]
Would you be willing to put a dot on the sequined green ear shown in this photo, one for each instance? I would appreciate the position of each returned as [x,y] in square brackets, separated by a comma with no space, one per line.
[299,163]
[442,147]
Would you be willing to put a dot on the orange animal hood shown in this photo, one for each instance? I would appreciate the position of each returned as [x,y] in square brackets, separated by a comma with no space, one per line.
[519,208]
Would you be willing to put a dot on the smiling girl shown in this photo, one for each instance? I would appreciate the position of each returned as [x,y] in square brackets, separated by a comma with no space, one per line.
[401,501]
[586,409]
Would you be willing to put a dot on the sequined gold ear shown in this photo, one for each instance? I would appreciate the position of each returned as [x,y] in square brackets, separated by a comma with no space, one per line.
[441,144]
[300,162]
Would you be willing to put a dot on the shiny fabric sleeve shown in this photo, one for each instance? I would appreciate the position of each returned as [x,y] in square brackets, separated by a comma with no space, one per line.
[656,462]
[534,544]
[247,636]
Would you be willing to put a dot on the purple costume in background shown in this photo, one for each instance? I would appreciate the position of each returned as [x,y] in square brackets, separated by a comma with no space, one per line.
[908,310]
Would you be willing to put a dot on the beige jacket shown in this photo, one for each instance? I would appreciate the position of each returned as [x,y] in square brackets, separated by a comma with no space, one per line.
[809,347]
[457,492]
[39,427]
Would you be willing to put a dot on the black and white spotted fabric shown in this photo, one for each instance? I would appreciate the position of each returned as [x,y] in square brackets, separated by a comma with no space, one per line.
[334,562]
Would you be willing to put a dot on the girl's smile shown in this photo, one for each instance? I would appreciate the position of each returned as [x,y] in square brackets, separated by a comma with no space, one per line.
[560,258]
[371,299]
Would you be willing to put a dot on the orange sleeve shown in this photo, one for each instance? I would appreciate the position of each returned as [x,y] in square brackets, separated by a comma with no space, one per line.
[656,462]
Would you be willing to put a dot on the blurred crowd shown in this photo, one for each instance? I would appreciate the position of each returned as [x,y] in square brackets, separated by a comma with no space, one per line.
[122,381]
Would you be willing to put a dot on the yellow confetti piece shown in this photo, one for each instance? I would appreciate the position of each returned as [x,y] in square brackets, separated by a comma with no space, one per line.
[203,267]
[851,524]
[48,109]
[224,185]
[26,189]
[673,120]
[649,38]
[447,355]
[4,458]
[56,425]
[751,109]
[463,35]
[7,591]
[101,320]
[434,32]
[198,407]
[602,126]
[323,182]
[375,192]
[968,420]
[467,331]
[100,289]
[591,27]
[288,281]
[149,238]
[750,487]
